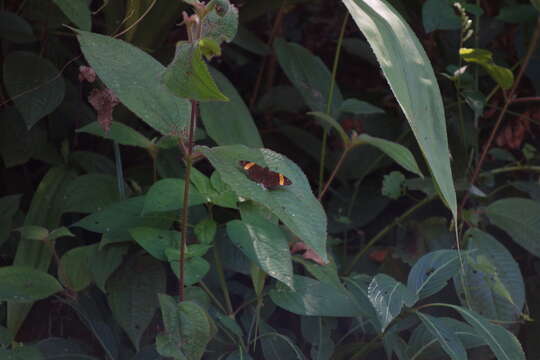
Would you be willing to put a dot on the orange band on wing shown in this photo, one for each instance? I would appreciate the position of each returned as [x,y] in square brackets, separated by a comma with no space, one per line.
[249,165]
[281,180]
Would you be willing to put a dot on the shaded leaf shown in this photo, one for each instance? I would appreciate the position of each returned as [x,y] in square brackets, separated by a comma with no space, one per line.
[8,207]
[221,23]
[15,28]
[168,194]
[118,132]
[156,241]
[104,262]
[133,295]
[75,267]
[315,298]
[77,11]
[34,84]
[359,107]
[439,15]
[393,185]
[230,122]
[445,336]
[90,193]
[206,231]
[432,271]
[24,284]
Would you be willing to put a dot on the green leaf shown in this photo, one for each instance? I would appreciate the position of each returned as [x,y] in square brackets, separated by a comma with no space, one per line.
[118,132]
[410,75]
[34,84]
[15,29]
[8,207]
[359,107]
[156,241]
[168,194]
[439,15]
[388,297]
[502,76]
[309,75]
[247,40]
[195,268]
[432,271]
[134,76]
[58,348]
[34,232]
[187,76]
[393,185]
[276,345]
[45,210]
[266,245]
[449,341]
[17,143]
[493,279]
[520,218]
[91,193]
[221,23]
[315,298]
[327,120]
[133,295]
[229,123]
[317,331]
[502,342]
[294,205]
[77,11]
[24,284]
[423,343]
[21,353]
[397,152]
[121,216]
[205,231]
[517,13]
[104,262]
[60,232]
[75,265]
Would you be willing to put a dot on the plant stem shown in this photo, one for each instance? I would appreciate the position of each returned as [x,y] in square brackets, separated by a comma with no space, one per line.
[185,212]
[384,231]
[223,282]
[530,168]
[119,171]
[334,173]
[530,51]
[329,100]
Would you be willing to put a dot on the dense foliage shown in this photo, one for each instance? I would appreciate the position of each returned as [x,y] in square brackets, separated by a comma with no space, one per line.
[277,179]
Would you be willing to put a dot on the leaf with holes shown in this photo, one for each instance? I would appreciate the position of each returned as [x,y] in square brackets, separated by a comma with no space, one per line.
[294,205]
[432,272]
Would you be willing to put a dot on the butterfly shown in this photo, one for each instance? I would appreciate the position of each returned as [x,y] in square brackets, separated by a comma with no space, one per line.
[264,176]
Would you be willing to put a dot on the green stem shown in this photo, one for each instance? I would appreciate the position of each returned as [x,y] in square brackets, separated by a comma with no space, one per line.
[119,171]
[223,282]
[330,99]
[531,168]
[212,297]
[334,173]
[185,209]
[384,231]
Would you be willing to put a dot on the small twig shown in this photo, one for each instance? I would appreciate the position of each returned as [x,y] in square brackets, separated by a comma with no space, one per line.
[334,173]
[526,99]
[143,15]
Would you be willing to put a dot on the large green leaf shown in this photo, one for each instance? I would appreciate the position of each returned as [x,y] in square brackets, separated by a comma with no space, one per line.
[318,332]
[315,298]
[502,342]
[494,282]
[133,295]
[449,341]
[520,218]
[388,297]
[187,76]
[77,11]
[91,192]
[295,205]
[168,194]
[432,272]
[266,245]
[8,207]
[156,241]
[24,284]
[118,132]
[410,75]
[104,262]
[309,75]
[45,210]
[220,25]
[134,76]
[34,84]
[230,122]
